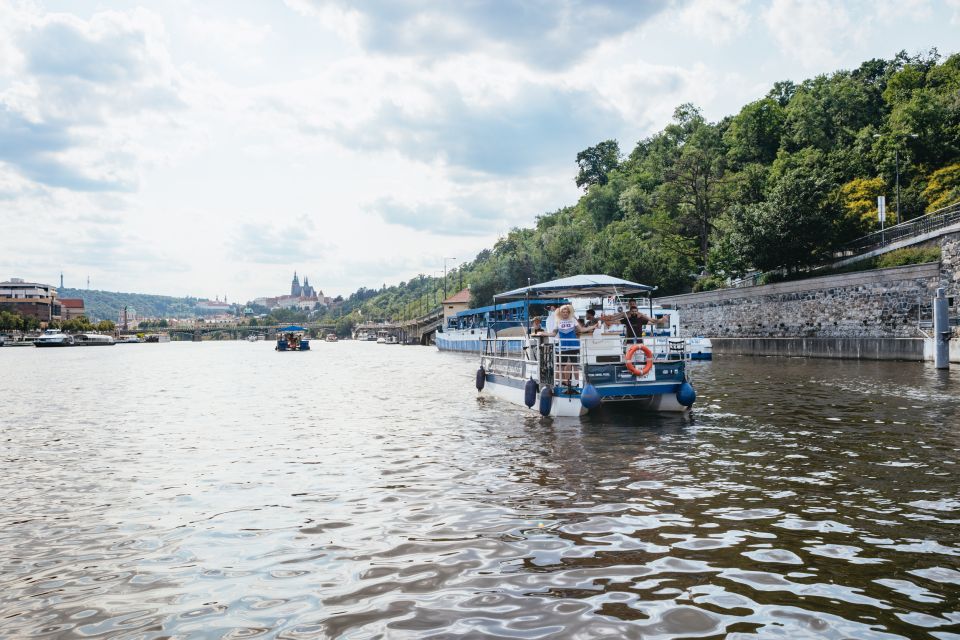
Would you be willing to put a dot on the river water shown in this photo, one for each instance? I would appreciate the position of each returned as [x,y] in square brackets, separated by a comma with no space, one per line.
[363,491]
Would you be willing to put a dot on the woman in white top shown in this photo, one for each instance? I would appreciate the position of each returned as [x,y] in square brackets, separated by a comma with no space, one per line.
[567,330]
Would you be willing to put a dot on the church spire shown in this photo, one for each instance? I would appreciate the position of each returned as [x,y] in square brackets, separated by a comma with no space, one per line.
[295,289]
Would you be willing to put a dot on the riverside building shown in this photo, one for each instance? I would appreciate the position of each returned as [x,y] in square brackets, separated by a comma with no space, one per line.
[30,299]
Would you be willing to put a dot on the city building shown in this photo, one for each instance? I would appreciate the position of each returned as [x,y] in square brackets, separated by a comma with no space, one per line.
[459,301]
[30,299]
[71,308]
[212,306]
[302,297]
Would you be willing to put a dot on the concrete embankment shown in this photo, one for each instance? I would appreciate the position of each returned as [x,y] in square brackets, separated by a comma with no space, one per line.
[847,348]
[879,314]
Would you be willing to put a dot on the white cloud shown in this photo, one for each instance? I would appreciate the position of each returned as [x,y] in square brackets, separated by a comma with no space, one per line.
[810,31]
[954,6]
[549,34]
[719,21]
[80,96]
[187,149]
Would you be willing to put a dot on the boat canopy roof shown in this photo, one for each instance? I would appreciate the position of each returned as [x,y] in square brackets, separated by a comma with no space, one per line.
[578,286]
[505,307]
[292,327]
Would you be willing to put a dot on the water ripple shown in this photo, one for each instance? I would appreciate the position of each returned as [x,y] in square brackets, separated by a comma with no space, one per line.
[223,490]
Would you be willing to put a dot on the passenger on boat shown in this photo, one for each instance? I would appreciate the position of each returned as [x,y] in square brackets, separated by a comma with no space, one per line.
[536,326]
[591,319]
[634,321]
[567,330]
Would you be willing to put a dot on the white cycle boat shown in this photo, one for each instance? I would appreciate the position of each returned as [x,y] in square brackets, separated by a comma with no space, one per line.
[604,368]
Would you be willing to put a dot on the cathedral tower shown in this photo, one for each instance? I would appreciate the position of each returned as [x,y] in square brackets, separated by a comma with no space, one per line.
[295,289]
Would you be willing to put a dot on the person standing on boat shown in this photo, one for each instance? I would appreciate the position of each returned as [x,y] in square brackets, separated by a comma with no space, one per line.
[567,331]
[634,321]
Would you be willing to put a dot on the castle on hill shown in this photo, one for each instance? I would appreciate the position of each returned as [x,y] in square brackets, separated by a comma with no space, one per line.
[304,297]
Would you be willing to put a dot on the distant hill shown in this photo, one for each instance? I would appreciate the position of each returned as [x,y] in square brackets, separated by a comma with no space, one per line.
[106,305]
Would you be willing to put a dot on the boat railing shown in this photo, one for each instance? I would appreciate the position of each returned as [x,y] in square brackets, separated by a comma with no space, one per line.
[570,366]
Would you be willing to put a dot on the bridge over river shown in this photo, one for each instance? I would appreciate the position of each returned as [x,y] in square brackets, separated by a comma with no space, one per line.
[197,330]
[418,330]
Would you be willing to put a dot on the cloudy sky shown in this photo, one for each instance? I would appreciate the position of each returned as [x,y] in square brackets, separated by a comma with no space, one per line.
[211,148]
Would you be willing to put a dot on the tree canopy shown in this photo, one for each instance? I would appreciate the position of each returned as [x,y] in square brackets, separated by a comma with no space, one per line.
[782,183]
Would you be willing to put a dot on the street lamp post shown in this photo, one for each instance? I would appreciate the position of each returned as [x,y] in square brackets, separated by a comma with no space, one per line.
[445,276]
[896,163]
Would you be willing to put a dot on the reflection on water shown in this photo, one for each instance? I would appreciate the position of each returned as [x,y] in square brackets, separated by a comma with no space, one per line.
[362,491]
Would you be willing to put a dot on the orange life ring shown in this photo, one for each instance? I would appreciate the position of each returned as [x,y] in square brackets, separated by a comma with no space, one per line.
[648,363]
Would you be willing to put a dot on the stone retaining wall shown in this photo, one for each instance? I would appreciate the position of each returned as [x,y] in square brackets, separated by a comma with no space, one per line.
[881,303]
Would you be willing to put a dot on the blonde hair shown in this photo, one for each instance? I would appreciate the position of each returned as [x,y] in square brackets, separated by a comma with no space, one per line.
[568,307]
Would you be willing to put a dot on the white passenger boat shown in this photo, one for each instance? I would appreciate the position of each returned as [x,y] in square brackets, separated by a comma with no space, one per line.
[131,339]
[331,337]
[93,340]
[601,368]
[53,338]
[468,330]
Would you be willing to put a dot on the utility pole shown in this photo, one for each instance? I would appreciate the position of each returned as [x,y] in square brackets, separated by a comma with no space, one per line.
[445,276]
[896,160]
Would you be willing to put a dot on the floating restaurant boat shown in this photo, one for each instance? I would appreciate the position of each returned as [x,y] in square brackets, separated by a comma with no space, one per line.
[93,340]
[292,338]
[595,369]
[53,338]
[468,329]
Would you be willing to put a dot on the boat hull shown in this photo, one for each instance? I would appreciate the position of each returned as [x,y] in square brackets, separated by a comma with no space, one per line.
[569,404]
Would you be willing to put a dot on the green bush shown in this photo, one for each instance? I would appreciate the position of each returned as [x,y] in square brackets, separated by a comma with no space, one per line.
[709,283]
[908,255]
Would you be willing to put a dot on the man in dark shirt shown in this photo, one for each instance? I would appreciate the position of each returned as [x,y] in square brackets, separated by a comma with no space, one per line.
[634,321]
[591,319]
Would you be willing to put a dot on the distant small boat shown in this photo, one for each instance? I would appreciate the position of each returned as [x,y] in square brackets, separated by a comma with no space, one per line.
[93,340]
[129,340]
[8,341]
[391,340]
[253,337]
[292,338]
[331,337]
[53,338]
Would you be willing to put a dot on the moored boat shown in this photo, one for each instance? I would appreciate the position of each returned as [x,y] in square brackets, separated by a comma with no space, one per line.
[331,337]
[93,340]
[292,338]
[590,371]
[53,338]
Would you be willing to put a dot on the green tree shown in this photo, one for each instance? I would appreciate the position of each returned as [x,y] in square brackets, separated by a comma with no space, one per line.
[754,134]
[792,229]
[597,162]
[943,188]
[858,200]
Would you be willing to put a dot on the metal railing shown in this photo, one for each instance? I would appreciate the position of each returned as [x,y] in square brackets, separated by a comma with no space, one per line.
[938,219]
